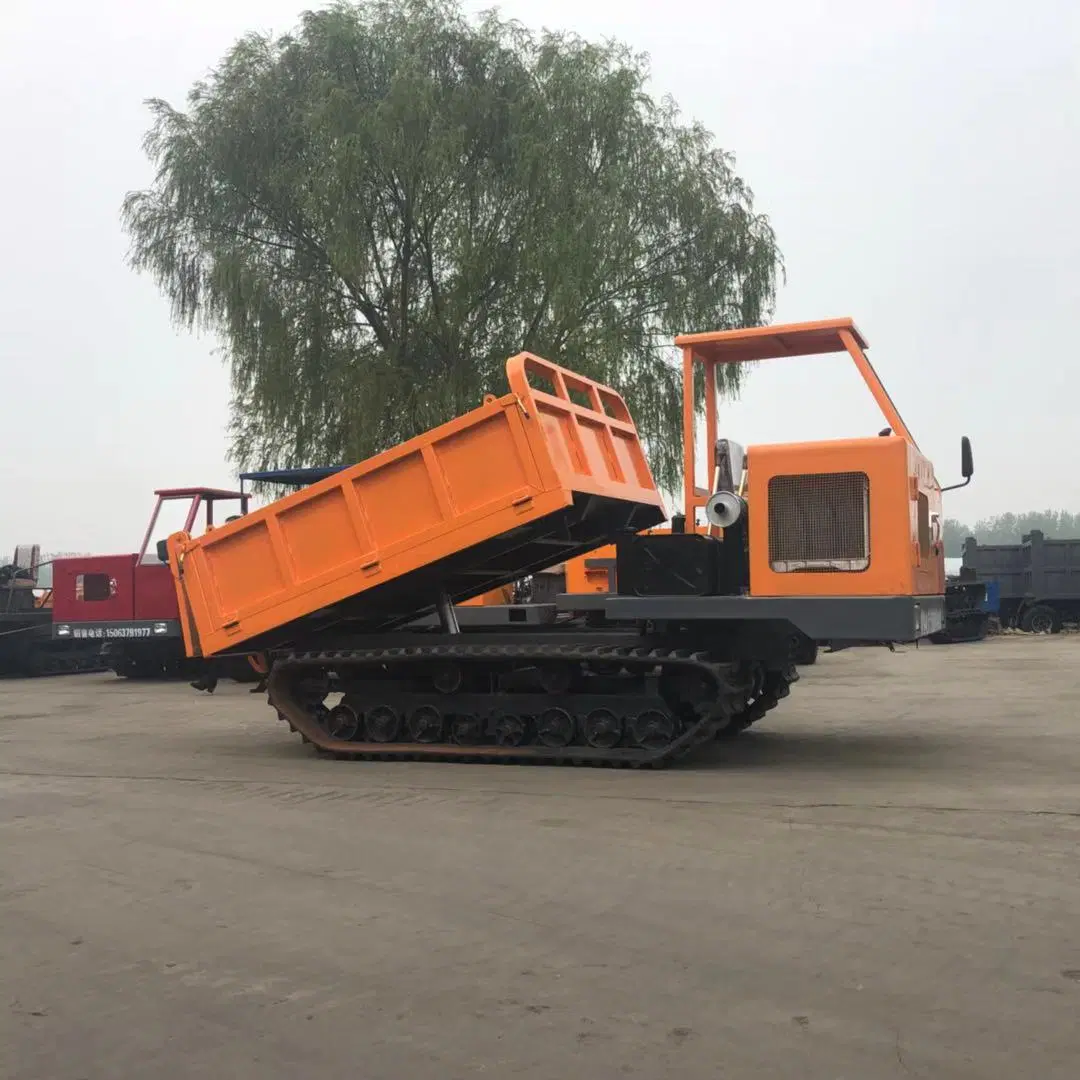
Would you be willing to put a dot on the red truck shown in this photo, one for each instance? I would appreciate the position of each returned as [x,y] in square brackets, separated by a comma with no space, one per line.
[128,602]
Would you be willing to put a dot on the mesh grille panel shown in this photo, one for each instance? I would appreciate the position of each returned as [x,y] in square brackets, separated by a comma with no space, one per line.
[819,522]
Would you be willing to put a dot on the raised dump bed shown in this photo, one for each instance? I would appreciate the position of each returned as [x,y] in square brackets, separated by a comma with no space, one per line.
[543,473]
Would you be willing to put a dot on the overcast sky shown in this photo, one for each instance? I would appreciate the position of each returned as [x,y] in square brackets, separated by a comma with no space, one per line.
[920,162]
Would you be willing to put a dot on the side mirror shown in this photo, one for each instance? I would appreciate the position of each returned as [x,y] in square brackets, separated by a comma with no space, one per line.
[967,465]
[163,551]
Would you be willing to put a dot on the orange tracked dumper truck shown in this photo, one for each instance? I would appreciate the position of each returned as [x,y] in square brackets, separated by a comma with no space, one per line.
[352,589]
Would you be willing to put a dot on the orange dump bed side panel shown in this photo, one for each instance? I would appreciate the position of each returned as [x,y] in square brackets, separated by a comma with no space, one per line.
[513,461]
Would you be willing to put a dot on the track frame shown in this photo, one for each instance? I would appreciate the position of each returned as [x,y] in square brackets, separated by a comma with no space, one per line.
[652,684]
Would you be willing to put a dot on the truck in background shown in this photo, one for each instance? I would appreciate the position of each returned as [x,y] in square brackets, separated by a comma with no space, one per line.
[1037,582]
[124,606]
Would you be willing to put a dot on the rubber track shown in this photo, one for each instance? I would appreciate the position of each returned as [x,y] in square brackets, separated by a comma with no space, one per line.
[288,667]
[777,687]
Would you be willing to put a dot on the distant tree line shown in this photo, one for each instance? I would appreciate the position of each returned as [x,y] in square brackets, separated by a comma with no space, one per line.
[1010,528]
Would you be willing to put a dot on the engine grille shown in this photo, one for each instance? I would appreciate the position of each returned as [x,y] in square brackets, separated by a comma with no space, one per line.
[819,523]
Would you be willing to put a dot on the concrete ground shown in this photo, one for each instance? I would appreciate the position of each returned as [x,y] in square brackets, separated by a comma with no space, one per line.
[883,881]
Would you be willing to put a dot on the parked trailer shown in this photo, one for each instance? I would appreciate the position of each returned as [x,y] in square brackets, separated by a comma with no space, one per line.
[836,540]
[1037,581]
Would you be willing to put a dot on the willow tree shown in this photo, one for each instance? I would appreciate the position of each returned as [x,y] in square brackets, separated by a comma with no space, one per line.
[374,212]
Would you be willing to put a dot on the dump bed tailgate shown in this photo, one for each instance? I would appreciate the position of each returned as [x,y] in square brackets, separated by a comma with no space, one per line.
[522,482]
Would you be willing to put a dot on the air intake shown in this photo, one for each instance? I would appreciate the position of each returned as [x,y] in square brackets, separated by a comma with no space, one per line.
[819,523]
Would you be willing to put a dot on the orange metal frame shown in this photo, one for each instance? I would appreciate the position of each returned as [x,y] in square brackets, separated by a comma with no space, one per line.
[199,497]
[764,343]
[897,471]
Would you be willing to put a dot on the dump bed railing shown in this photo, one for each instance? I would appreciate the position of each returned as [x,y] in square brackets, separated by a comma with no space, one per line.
[525,480]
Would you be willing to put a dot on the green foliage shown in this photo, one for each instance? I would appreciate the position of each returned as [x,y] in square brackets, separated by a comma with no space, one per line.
[1010,529]
[954,533]
[375,212]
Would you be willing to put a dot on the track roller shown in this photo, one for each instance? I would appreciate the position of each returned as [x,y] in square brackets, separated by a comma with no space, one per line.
[466,730]
[382,724]
[342,722]
[426,725]
[555,728]
[602,729]
[652,730]
[510,730]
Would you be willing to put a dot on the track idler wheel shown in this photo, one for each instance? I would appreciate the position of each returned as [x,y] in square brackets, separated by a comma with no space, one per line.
[383,724]
[426,725]
[652,730]
[602,729]
[555,728]
[342,723]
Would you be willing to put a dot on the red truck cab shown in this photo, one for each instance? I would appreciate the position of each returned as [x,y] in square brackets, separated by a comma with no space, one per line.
[128,602]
